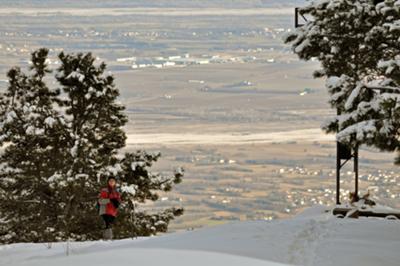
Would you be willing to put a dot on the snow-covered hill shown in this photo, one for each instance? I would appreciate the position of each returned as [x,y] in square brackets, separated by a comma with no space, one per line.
[312,238]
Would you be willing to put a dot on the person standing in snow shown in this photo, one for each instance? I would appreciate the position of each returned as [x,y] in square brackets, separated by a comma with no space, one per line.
[109,201]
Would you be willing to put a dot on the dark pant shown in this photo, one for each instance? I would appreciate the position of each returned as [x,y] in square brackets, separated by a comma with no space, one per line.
[108,220]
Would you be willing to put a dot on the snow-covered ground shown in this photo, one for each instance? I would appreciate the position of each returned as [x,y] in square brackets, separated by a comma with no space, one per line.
[312,134]
[312,238]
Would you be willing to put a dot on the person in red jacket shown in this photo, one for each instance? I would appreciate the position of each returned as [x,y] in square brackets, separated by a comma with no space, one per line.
[109,201]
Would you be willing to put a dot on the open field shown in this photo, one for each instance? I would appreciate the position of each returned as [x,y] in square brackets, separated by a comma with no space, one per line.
[266,180]
[228,139]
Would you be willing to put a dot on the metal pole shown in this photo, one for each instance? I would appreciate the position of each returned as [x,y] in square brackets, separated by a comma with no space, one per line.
[337,174]
[296,17]
[356,170]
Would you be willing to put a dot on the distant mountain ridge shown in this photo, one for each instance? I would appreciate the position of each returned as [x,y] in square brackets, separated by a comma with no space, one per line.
[155,3]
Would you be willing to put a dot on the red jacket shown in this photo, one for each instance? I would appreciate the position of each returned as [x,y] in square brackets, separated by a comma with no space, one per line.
[106,205]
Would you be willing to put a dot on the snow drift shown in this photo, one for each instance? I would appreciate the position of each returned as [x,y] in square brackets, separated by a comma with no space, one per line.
[315,237]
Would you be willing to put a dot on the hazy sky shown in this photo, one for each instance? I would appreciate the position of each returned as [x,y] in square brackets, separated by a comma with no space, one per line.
[149,3]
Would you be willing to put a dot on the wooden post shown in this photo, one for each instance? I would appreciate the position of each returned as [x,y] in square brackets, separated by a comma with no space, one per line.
[356,170]
[67,251]
[338,173]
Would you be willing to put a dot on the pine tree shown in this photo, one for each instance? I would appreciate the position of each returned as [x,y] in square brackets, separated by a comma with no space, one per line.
[30,125]
[354,41]
[95,122]
[61,145]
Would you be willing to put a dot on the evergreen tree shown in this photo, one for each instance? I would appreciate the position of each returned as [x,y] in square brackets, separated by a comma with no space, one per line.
[94,125]
[355,41]
[60,147]
[31,128]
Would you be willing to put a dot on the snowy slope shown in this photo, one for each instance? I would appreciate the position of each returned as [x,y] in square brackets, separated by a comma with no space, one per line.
[313,238]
